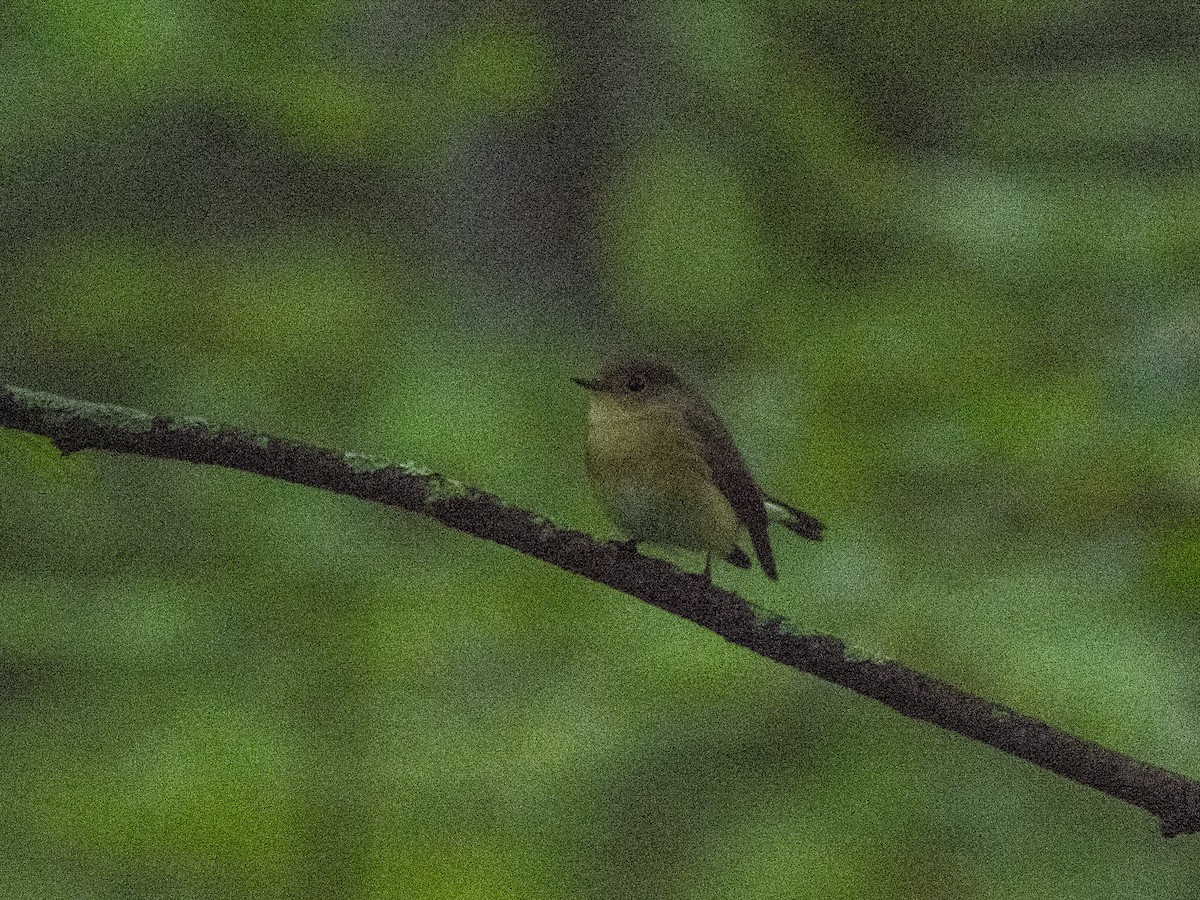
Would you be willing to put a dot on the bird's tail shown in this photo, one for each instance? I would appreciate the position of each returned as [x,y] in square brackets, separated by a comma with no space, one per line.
[794,519]
[739,558]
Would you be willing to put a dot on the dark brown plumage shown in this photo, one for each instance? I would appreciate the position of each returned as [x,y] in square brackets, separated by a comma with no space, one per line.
[733,479]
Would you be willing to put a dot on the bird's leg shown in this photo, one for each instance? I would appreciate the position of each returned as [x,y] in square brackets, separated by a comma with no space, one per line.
[708,567]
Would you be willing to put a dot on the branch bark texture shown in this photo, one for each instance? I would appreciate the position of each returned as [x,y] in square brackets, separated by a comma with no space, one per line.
[77,425]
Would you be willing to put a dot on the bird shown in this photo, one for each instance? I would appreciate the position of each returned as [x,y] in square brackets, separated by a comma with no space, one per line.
[666,470]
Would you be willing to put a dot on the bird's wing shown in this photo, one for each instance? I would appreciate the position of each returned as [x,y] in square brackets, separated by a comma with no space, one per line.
[734,481]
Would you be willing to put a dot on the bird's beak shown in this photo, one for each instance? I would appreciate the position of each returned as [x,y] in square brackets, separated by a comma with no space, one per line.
[590,384]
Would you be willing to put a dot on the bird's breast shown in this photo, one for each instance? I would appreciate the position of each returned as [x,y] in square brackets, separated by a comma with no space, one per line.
[647,467]
[641,439]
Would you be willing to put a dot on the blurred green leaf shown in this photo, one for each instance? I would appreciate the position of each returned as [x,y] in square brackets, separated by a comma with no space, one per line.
[31,455]
[685,242]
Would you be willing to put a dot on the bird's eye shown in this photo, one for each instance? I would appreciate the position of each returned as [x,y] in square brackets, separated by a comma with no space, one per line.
[636,383]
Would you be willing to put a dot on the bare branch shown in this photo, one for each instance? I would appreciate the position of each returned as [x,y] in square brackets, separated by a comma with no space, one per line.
[77,425]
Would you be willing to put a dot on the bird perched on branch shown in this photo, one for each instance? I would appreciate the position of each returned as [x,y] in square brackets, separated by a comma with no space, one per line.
[666,469]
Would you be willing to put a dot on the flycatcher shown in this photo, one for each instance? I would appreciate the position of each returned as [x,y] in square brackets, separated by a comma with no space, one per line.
[667,471]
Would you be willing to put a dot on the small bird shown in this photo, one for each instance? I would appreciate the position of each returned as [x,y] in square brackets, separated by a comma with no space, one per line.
[667,471]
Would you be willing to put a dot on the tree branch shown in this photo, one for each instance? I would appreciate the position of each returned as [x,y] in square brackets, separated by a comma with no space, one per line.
[77,425]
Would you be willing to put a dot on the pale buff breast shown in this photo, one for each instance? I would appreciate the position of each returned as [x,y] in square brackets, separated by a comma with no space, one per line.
[647,469]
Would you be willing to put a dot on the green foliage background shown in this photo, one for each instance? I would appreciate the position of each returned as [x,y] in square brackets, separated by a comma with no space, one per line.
[936,262]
